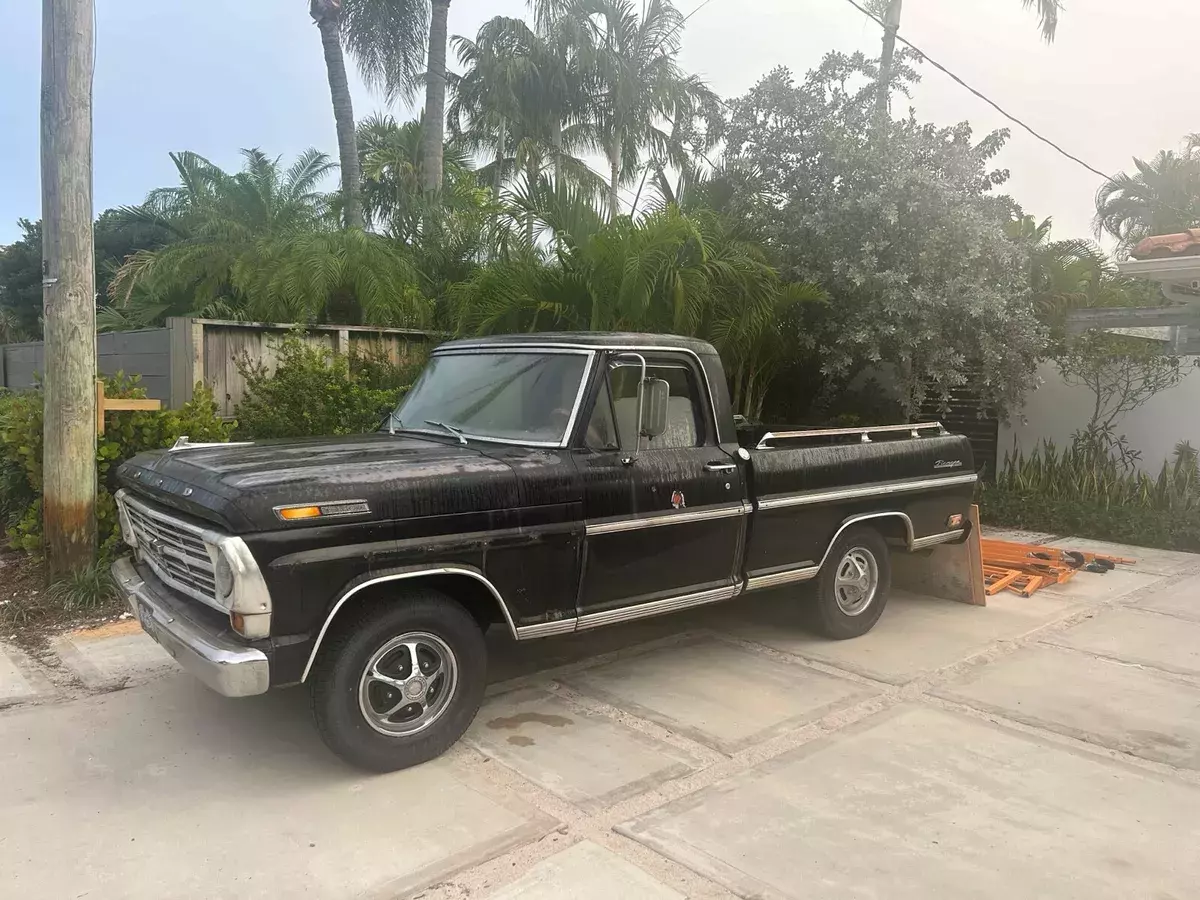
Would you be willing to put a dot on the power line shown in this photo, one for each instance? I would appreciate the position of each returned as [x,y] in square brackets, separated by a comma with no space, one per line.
[933,62]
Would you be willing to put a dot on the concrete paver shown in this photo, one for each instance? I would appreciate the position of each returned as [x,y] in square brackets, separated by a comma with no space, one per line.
[14,686]
[114,655]
[1019,536]
[1095,588]
[1141,638]
[925,803]
[586,871]
[1154,562]
[1129,708]
[914,636]
[583,757]
[717,693]
[169,791]
[1182,600]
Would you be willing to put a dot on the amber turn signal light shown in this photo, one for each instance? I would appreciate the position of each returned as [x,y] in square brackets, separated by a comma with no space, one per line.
[299,512]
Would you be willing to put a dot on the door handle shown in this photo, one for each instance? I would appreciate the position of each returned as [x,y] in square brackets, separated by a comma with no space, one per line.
[719,467]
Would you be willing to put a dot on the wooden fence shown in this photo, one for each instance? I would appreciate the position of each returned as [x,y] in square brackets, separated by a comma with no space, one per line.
[173,359]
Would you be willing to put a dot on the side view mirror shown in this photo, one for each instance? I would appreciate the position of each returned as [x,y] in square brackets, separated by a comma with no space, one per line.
[655,394]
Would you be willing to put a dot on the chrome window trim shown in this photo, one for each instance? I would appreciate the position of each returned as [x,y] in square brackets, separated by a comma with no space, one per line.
[803,498]
[403,576]
[681,517]
[605,348]
[564,350]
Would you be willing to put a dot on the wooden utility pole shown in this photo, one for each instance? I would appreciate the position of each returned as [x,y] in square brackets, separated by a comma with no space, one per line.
[891,25]
[68,286]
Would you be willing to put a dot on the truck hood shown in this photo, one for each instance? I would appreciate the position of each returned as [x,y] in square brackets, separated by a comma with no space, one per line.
[399,476]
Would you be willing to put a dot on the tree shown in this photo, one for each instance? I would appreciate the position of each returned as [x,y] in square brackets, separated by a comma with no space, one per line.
[910,245]
[260,243]
[644,101]
[1047,13]
[116,237]
[667,273]
[435,99]
[1161,197]
[1121,373]
[523,100]
[387,40]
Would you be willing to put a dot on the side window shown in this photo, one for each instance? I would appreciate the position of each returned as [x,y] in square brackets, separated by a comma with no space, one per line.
[602,429]
[684,424]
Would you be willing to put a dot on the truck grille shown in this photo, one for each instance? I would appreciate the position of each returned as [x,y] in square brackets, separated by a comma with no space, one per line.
[173,549]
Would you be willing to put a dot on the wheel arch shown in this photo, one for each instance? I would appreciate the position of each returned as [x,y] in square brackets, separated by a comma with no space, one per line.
[464,584]
[893,524]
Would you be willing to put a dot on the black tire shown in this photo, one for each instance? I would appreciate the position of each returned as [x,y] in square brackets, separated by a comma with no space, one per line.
[830,616]
[335,681]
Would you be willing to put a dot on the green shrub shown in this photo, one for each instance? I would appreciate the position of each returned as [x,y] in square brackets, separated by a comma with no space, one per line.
[315,391]
[126,434]
[89,589]
[1087,491]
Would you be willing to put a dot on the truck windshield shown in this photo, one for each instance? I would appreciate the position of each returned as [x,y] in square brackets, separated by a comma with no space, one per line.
[509,396]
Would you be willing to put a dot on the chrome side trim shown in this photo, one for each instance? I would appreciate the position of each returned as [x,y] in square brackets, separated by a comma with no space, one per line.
[932,539]
[546,629]
[657,607]
[804,498]
[682,517]
[517,345]
[804,573]
[402,576]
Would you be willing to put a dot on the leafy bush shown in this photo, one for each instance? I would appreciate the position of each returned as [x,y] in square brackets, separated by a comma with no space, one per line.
[126,434]
[90,588]
[1088,492]
[315,391]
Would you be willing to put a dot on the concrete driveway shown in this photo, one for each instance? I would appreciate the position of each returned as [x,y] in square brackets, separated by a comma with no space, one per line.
[1041,747]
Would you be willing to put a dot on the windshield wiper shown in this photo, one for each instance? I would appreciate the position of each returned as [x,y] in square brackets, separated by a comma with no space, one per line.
[462,438]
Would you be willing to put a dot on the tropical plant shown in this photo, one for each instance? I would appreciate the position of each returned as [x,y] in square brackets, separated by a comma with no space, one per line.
[1047,13]
[259,244]
[1161,196]
[644,103]
[666,273]
[910,245]
[387,40]
[522,99]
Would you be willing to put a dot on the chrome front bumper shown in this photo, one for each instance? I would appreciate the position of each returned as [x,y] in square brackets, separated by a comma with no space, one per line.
[226,665]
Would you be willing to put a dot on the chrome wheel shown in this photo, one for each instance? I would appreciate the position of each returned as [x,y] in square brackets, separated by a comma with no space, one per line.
[407,684]
[857,581]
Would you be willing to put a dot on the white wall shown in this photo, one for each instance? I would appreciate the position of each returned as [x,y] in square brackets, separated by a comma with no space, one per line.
[1056,410]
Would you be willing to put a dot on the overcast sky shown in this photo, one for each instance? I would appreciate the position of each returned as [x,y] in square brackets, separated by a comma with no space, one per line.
[223,74]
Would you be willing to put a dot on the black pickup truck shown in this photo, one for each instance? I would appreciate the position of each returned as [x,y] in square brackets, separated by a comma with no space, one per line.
[544,483]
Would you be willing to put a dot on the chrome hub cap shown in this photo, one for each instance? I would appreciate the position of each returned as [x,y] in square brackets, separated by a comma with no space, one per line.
[857,581]
[407,684]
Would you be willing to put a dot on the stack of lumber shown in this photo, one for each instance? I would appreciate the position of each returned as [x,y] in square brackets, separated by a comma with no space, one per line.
[1024,568]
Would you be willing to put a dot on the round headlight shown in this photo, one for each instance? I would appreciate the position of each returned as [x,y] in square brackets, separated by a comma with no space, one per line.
[223,573]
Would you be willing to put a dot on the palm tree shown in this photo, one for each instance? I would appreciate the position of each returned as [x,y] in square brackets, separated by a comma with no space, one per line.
[387,40]
[435,99]
[1161,197]
[260,243]
[1047,12]
[669,272]
[644,101]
